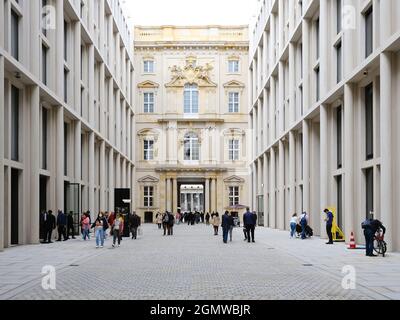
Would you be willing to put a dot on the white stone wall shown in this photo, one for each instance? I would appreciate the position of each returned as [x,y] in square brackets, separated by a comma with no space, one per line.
[295,145]
[98,110]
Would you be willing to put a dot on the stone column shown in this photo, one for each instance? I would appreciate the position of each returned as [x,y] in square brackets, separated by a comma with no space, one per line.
[168,195]
[324,165]
[1,143]
[123,173]
[387,165]
[91,174]
[102,175]
[111,179]
[34,135]
[272,107]
[281,184]
[266,175]
[213,195]
[59,50]
[325,66]
[272,214]
[306,166]
[207,196]
[386,12]
[292,173]
[174,197]
[77,65]
[306,64]
[91,85]
[219,193]
[349,160]
[78,151]
[118,171]
[60,158]
[292,83]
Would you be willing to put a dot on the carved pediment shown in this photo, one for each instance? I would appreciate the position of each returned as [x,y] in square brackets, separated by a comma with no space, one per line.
[234,179]
[234,132]
[191,74]
[148,85]
[234,84]
[148,179]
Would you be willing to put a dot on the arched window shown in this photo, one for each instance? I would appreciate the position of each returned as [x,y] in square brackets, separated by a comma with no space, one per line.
[192,149]
[191,99]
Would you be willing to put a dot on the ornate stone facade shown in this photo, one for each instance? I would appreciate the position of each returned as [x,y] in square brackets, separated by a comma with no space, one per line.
[192,119]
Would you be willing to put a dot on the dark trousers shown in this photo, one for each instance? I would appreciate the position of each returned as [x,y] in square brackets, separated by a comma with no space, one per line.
[329,232]
[303,229]
[250,232]
[61,231]
[165,227]
[47,234]
[159,226]
[225,232]
[116,235]
[70,232]
[369,241]
[170,230]
[215,230]
[134,232]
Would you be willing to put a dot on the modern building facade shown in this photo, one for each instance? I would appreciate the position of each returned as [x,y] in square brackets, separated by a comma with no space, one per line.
[66,111]
[324,80]
[192,119]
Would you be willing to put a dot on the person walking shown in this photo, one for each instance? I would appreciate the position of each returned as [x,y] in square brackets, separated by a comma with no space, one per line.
[207,219]
[303,224]
[250,224]
[85,227]
[49,226]
[170,224]
[329,222]
[293,225]
[370,227]
[61,225]
[225,227]
[231,226]
[159,218]
[117,228]
[70,226]
[99,231]
[134,223]
[216,222]
[165,220]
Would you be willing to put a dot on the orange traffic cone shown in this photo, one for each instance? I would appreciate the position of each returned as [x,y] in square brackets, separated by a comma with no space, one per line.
[352,244]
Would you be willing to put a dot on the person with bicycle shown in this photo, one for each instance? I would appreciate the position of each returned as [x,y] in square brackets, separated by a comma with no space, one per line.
[371,226]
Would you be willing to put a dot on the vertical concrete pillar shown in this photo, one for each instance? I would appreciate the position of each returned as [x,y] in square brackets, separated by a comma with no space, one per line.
[77,65]
[34,137]
[213,195]
[111,179]
[59,49]
[91,63]
[306,166]
[386,12]
[272,108]
[118,171]
[272,214]
[207,196]
[174,197]
[91,174]
[60,158]
[324,164]
[123,173]
[78,151]
[281,187]
[2,199]
[292,83]
[349,161]
[219,194]
[266,175]
[306,64]
[324,55]
[168,195]
[292,173]
[387,208]
[102,175]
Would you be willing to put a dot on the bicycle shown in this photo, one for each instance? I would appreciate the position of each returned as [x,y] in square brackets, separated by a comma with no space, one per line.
[380,246]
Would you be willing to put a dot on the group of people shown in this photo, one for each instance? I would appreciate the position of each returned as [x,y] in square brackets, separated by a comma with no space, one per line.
[166,221]
[105,221]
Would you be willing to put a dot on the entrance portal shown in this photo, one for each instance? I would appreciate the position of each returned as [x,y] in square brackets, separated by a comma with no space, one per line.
[192,197]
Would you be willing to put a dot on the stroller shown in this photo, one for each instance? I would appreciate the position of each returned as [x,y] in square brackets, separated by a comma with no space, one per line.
[309,231]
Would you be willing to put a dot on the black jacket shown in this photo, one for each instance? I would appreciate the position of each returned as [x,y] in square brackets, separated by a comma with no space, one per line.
[134,221]
[50,223]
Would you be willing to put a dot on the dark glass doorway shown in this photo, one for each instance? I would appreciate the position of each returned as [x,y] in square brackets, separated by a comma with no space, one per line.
[72,201]
[14,207]
[148,217]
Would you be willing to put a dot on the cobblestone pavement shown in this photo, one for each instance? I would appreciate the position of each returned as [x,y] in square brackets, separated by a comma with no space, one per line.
[195,265]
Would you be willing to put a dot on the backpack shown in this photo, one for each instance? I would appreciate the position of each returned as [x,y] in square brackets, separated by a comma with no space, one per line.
[166,218]
[366,224]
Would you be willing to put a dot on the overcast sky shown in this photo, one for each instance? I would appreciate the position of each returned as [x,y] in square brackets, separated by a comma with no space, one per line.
[190,12]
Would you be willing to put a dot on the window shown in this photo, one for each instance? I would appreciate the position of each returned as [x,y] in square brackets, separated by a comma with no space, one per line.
[148,150]
[317,41]
[339,137]
[233,102]
[44,64]
[191,99]
[148,196]
[148,66]
[14,34]
[233,149]
[148,102]
[369,37]
[65,149]
[317,88]
[339,197]
[43,17]
[65,40]
[191,147]
[339,63]
[338,16]
[65,85]
[233,66]
[15,123]
[369,122]
[233,196]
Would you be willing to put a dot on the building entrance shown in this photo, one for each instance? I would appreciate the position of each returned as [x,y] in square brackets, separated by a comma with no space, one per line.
[191,197]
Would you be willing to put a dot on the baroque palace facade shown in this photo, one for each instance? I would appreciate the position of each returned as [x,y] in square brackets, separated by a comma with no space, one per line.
[324,79]
[191,119]
[66,111]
